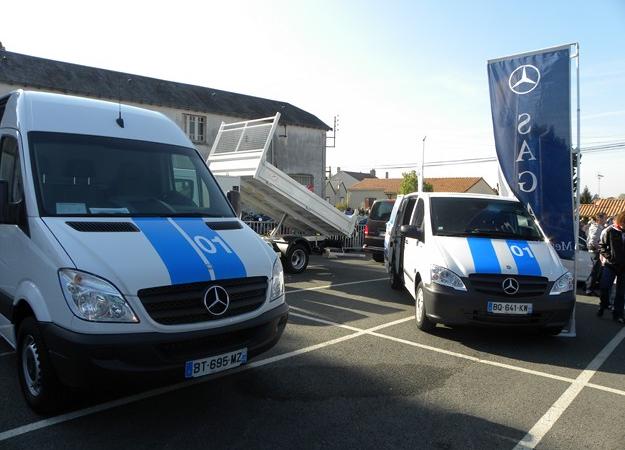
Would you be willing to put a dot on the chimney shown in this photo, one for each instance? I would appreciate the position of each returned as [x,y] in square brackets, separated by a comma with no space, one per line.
[386,175]
[372,172]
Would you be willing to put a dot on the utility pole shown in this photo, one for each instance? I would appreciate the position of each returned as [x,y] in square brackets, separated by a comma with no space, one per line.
[422,164]
[599,177]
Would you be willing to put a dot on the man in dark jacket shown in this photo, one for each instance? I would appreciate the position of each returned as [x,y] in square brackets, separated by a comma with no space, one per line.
[612,249]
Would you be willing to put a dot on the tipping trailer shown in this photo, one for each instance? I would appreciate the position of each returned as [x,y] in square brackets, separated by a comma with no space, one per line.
[238,161]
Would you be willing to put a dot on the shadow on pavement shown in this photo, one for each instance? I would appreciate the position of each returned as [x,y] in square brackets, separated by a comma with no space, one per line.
[315,403]
[529,345]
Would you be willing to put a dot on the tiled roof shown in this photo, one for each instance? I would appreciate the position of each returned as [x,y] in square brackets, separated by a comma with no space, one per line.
[610,206]
[388,185]
[392,185]
[30,71]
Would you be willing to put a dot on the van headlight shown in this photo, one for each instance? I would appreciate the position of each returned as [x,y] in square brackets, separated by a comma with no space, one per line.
[277,281]
[94,299]
[445,277]
[563,284]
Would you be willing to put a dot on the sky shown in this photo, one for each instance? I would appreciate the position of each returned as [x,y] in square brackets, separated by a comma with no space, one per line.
[393,71]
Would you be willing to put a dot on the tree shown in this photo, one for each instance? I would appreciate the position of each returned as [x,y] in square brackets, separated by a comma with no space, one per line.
[586,196]
[410,183]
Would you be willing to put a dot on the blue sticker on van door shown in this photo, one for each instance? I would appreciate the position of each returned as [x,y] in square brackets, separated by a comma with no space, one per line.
[525,260]
[190,250]
[484,256]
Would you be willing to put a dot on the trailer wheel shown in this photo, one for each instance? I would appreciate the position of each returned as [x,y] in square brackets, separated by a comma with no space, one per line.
[296,258]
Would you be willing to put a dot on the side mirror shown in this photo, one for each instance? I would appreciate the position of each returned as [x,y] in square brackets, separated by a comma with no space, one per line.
[411,231]
[234,197]
[4,200]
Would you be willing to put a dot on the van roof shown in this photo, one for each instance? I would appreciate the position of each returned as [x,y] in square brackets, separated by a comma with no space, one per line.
[42,111]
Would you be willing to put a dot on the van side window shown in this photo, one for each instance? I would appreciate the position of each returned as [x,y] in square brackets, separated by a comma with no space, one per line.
[419,213]
[410,202]
[10,169]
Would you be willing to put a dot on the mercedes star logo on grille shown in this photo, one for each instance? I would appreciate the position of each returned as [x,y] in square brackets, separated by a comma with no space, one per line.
[510,286]
[216,300]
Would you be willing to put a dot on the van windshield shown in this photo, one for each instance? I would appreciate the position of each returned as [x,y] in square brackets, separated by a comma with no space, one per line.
[482,218]
[78,175]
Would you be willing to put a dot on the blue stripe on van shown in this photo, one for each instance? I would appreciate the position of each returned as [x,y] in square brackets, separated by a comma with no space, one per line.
[525,260]
[484,256]
[226,263]
[180,258]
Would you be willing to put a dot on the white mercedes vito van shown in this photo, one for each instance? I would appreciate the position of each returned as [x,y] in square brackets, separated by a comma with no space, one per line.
[476,259]
[119,254]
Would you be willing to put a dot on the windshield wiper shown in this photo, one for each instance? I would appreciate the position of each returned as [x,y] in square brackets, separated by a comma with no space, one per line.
[190,214]
[500,234]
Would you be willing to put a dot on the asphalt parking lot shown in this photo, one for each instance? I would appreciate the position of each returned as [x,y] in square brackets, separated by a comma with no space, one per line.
[352,371]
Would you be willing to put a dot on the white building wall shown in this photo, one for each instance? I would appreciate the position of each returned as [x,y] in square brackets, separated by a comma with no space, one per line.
[356,199]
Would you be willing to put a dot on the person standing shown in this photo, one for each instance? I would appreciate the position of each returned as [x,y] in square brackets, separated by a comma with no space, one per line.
[612,250]
[592,242]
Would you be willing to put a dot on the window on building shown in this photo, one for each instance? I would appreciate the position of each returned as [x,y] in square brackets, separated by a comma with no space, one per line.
[304,179]
[195,127]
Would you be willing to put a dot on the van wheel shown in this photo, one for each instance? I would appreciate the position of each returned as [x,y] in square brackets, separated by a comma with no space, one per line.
[296,259]
[423,323]
[40,385]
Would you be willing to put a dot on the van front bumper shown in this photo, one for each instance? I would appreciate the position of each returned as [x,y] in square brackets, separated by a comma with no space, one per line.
[451,307]
[83,359]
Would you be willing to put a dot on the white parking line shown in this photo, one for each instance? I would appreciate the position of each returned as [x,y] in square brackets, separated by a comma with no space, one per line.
[546,422]
[460,355]
[330,286]
[156,392]
[440,350]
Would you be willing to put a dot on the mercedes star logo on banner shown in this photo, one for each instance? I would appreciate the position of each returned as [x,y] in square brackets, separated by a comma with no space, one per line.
[216,300]
[524,79]
[510,286]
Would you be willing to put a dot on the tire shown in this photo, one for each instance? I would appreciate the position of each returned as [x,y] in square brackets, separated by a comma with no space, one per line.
[421,318]
[40,385]
[296,259]
[378,257]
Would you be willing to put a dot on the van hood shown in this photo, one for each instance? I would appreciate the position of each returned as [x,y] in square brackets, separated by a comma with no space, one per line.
[138,253]
[467,255]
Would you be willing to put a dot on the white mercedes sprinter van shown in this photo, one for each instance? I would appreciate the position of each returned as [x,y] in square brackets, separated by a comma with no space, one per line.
[476,259]
[119,254]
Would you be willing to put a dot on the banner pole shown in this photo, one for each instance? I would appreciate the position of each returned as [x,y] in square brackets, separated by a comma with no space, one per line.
[421,174]
[571,332]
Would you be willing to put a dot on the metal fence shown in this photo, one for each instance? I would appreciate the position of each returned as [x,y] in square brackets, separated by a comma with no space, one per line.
[353,242]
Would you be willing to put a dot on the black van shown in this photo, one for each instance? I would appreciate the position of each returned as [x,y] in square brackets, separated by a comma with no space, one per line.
[376,228]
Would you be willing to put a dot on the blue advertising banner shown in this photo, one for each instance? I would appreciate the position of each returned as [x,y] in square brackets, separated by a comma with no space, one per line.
[530,98]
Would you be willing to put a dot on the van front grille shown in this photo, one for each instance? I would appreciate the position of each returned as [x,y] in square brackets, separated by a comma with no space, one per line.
[184,303]
[491,284]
